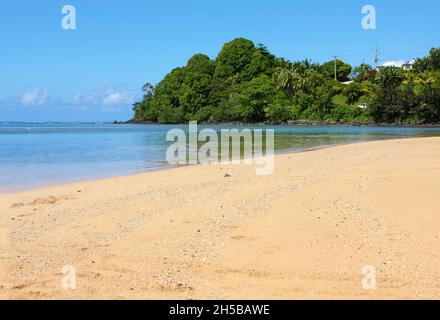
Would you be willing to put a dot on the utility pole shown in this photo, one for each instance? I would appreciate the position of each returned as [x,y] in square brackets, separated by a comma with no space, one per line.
[336,73]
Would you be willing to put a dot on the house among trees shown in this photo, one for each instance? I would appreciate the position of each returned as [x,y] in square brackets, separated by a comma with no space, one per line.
[408,65]
[404,65]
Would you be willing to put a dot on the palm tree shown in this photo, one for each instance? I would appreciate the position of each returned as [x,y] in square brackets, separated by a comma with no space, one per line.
[299,76]
[389,77]
[361,72]
[410,79]
[285,79]
[426,79]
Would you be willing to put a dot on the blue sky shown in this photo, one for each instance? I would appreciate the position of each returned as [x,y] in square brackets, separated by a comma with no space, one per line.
[95,72]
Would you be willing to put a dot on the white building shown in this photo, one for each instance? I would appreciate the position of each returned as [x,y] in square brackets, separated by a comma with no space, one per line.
[405,65]
[408,65]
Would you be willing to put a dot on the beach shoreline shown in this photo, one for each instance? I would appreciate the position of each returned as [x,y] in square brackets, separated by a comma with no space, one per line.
[23,188]
[221,232]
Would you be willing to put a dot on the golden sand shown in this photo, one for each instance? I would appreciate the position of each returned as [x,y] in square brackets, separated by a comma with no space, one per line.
[305,231]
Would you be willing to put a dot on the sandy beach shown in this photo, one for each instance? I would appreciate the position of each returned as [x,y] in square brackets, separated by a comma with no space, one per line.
[304,232]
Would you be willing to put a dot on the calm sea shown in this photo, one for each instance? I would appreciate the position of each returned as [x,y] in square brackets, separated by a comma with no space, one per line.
[37,154]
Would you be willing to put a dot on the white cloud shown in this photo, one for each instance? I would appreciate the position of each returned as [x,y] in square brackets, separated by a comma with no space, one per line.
[108,98]
[116,98]
[36,97]
[394,63]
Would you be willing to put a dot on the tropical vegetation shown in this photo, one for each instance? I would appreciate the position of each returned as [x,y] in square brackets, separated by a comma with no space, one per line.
[247,83]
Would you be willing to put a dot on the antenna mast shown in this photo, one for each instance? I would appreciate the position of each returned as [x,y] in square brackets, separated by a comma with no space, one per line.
[376,57]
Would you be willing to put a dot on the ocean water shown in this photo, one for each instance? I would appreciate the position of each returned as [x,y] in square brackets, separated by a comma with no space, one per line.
[38,154]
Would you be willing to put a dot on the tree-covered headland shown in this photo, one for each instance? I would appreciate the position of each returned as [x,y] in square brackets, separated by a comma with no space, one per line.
[246,83]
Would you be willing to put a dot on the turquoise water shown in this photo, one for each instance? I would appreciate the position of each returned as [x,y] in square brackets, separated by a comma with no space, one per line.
[37,154]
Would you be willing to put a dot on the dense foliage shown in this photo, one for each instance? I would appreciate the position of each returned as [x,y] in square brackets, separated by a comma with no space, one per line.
[246,83]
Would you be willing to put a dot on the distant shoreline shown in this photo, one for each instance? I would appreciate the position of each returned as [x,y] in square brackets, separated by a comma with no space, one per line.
[295,123]
[298,123]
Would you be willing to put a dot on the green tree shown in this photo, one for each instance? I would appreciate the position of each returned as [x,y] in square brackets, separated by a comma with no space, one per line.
[429,63]
[434,59]
[343,70]
[389,77]
[297,77]
[248,101]
[195,87]
[234,58]
[286,79]
[421,64]
[388,104]
[247,83]
[353,92]
[361,72]
[261,63]
[280,110]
